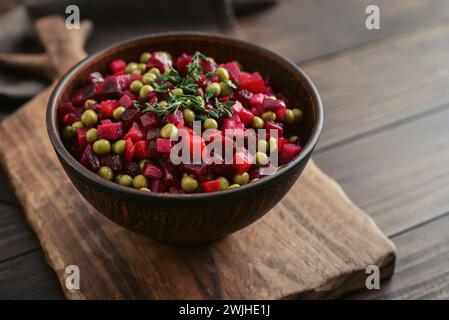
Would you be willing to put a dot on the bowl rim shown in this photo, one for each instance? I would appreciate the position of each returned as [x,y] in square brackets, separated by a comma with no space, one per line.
[62,152]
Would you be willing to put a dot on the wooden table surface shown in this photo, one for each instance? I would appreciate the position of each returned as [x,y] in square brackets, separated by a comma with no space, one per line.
[386,136]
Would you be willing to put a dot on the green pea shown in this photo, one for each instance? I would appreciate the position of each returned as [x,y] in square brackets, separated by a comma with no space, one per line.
[119,146]
[117,113]
[257,122]
[273,144]
[88,103]
[210,124]
[168,130]
[125,180]
[262,145]
[135,86]
[142,163]
[268,115]
[224,183]
[102,146]
[163,103]
[92,135]
[189,115]
[68,132]
[117,177]
[289,117]
[144,57]
[145,189]
[145,91]
[137,71]
[298,115]
[142,67]
[233,186]
[189,184]
[106,173]
[261,158]
[89,118]
[293,139]
[77,125]
[225,90]
[140,181]
[222,74]
[241,179]
[155,71]
[177,92]
[214,89]
[149,78]
[131,67]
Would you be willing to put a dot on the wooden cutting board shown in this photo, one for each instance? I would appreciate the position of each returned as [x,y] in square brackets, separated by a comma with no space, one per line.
[314,244]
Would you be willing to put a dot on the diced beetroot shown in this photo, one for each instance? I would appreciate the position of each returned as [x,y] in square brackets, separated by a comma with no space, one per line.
[233,69]
[125,101]
[64,109]
[176,118]
[288,152]
[244,114]
[277,106]
[129,150]
[149,120]
[70,118]
[95,78]
[132,169]
[281,142]
[117,65]
[269,125]
[112,161]
[168,174]
[89,159]
[254,173]
[110,131]
[82,94]
[160,61]
[199,171]
[210,186]
[244,96]
[129,116]
[153,133]
[142,150]
[107,107]
[163,145]
[182,62]
[81,138]
[114,86]
[233,122]
[157,186]
[196,144]
[208,66]
[252,81]
[135,133]
[242,160]
[256,99]
[152,172]
[106,121]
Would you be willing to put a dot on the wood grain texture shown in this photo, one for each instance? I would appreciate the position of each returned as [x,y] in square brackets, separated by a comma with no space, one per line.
[399,175]
[6,193]
[421,272]
[31,276]
[383,84]
[307,29]
[325,244]
[16,236]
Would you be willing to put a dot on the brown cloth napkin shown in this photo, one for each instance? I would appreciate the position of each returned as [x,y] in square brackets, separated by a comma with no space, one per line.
[114,21]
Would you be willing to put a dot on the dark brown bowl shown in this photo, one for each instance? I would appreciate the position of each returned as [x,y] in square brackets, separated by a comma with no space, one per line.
[195,217]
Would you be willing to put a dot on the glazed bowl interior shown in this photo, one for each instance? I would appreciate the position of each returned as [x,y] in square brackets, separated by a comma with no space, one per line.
[284,76]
